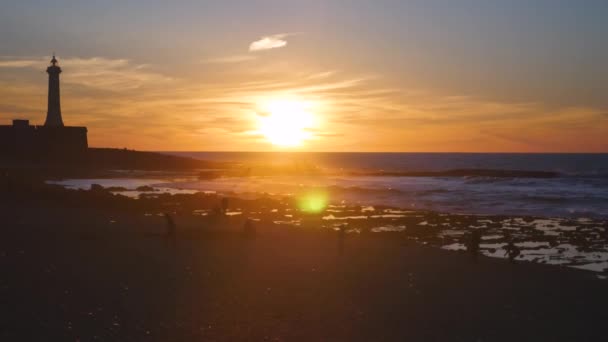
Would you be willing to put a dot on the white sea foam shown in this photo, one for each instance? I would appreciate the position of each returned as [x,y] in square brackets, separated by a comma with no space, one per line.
[455,247]
[388,228]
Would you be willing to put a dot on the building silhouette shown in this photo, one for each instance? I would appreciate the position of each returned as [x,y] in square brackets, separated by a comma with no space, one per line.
[53,140]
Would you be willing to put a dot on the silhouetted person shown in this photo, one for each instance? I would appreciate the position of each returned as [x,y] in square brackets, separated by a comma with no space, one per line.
[224,205]
[473,245]
[216,213]
[249,230]
[511,250]
[171,232]
[341,237]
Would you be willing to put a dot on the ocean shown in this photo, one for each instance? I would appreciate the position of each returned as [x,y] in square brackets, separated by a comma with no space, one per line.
[581,164]
[580,190]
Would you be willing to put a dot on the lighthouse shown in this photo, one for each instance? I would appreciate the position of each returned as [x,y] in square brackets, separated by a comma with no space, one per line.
[53,114]
[52,142]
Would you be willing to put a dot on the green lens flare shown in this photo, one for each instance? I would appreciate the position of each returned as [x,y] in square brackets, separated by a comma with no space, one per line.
[312,202]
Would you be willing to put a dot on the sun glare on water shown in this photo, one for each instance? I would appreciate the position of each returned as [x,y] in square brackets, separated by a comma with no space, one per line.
[286,123]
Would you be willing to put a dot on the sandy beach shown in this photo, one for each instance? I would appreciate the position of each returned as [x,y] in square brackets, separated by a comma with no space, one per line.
[80,266]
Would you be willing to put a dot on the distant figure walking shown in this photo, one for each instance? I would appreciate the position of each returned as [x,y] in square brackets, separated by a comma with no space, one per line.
[224,205]
[249,230]
[511,251]
[341,237]
[473,244]
[171,232]
[216,213]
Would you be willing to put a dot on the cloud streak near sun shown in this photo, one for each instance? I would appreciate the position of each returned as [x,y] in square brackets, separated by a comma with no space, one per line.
[128,103]
[234,59]
[269,42]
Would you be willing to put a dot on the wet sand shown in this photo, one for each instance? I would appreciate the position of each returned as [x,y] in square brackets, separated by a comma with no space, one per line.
[96,273]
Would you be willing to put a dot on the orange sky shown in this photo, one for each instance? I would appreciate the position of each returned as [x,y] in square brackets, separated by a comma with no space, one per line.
[371,88]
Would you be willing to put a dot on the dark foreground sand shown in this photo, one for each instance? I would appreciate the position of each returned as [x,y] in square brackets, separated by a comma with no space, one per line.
[106,275]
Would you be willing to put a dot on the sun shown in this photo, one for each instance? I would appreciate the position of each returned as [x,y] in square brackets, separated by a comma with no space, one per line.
[286,123]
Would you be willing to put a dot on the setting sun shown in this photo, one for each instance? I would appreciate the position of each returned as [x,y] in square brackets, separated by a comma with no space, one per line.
[286,123]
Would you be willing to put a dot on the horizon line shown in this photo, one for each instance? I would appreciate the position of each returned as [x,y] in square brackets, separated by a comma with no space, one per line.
[385,152]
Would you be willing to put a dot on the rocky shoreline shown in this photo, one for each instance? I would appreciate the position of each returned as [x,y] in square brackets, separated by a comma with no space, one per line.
[92,265]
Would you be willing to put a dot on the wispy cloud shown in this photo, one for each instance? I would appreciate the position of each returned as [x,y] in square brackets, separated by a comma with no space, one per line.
[95,72]
[18,63]
[230,59]
[110,74]
[269,42]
